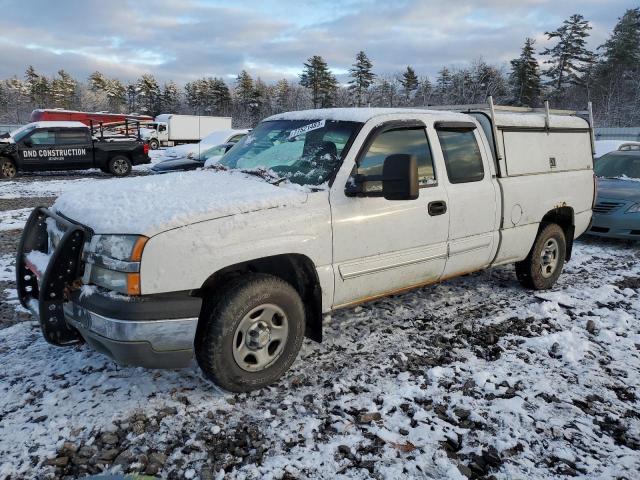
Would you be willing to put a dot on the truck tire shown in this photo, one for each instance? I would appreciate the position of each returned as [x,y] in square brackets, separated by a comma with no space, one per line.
[119,166]
[542,267]
[154,144]
[250,332]
[7,168]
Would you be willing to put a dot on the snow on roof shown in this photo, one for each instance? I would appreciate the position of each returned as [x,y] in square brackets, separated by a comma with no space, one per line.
[355,114]
[55,124]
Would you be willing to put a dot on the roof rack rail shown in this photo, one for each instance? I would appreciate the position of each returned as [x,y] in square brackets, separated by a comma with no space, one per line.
[588,113]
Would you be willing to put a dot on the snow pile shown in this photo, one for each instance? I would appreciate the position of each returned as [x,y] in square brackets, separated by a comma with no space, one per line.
[149,205]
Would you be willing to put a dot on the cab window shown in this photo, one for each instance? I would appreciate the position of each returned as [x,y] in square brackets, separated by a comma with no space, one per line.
[462,157]
[72,137]
[407,141]
[43,137]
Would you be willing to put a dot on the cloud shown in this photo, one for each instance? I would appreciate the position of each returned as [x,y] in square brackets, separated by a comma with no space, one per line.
[185,40]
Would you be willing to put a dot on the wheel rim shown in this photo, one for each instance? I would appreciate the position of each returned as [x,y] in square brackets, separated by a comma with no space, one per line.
[8,170]
[120,166]
[549,257]
[260,337]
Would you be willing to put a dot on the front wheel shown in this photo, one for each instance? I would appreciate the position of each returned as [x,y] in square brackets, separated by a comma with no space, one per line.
[7,168]
[250,333]
[154,144]
[542,267]
[120,166]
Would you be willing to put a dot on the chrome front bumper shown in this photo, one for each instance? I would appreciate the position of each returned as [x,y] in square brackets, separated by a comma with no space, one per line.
[144,343]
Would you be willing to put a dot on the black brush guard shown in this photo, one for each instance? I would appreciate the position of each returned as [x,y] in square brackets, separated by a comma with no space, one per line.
[64,269]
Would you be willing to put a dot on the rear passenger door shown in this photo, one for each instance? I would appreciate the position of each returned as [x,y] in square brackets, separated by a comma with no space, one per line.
[473,197]
[76,146]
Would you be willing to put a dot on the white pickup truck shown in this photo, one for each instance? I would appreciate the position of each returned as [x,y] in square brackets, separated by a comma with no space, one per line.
[311,212]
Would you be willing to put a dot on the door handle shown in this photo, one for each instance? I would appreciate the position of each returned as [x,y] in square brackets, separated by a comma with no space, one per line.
[438,207]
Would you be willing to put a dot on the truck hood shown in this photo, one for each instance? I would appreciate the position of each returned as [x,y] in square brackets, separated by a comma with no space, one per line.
[152,204]
[619,189]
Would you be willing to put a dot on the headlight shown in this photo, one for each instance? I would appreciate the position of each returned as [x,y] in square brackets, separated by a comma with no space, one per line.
[114,262]
[119,247]
[635,208]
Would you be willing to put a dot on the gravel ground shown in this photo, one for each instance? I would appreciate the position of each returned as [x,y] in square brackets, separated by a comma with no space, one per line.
[472,378]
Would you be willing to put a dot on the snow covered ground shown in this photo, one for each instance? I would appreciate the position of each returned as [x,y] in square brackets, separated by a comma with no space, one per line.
[471,378]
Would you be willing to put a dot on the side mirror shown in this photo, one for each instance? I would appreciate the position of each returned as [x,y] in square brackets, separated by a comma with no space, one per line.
[400,177]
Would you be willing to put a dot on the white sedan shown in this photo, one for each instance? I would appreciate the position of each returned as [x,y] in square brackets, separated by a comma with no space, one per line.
[211,140]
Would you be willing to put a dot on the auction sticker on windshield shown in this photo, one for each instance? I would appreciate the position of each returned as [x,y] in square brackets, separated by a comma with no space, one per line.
[306,128]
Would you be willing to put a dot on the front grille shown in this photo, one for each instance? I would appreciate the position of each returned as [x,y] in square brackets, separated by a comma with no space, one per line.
[606,207]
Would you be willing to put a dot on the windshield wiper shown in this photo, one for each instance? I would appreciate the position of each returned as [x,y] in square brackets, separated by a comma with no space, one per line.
[264,174]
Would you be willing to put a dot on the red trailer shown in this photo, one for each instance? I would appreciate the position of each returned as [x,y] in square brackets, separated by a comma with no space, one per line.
[85,117]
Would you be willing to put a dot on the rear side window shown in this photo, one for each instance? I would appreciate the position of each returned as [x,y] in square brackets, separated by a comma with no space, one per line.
[72,137]
[461,156]
[408,141]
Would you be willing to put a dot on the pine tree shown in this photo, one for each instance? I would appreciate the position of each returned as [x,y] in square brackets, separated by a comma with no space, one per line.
[97,82]
[622,49]
[148,95]
[38,87]
[170,98]
[317,77]
[282,96]
[17,94]
[220,96]
[363,77]
[132,98]
[444,84]
[409,82]
[63,90]
[569,58]
[115,92]
[525,76]
[425,91]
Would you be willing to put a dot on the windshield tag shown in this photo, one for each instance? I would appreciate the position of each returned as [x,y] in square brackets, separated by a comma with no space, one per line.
[306,128]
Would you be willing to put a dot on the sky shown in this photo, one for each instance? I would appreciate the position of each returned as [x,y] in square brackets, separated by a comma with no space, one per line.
[188,39]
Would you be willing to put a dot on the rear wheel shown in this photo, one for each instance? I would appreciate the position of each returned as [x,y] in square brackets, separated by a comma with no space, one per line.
[250,332]
[7,168]
[154,144]
[119,166]
[542,267]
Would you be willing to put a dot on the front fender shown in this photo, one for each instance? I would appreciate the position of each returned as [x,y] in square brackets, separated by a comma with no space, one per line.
[184,258]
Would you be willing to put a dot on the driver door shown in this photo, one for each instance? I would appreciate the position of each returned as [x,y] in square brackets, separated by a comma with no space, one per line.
[383,246]
[33,149]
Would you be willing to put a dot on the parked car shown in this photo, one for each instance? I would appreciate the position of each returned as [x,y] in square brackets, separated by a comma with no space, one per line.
[605,146]
[314,211]
[212,140]
[170,129]
[44,146]
[616,213]
[191,162]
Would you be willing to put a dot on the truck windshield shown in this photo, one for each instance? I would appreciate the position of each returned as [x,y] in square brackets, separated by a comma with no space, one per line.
[19,133]
[618,165]
[306,152]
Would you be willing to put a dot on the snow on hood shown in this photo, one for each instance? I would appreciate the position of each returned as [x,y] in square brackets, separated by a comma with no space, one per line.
[150,205]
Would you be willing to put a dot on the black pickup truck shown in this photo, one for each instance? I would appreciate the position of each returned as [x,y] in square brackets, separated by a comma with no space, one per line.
[44,146]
